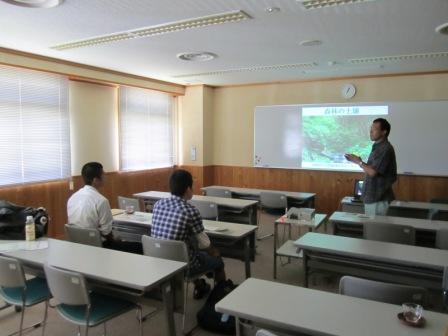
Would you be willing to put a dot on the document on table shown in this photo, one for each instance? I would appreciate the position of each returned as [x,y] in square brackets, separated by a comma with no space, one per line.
[15,245]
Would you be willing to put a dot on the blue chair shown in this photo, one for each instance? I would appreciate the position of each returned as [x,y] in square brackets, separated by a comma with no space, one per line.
[16,290]
[82,307]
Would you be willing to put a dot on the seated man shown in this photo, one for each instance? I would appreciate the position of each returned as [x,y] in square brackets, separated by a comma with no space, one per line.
[87,208]
[175,219]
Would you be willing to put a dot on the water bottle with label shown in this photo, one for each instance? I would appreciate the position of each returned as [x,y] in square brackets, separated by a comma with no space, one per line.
[30,230]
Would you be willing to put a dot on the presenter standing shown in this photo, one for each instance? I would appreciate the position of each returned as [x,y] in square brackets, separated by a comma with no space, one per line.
[380,170]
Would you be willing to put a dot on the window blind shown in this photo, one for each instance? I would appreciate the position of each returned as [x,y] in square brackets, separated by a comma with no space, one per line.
[146,129]
[34,126]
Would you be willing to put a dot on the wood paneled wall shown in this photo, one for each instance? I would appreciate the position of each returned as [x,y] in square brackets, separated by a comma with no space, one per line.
[54,195]
[330,187]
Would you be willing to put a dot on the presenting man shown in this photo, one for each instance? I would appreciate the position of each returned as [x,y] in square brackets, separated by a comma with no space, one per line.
[87,208]
[175,219]
[380,169]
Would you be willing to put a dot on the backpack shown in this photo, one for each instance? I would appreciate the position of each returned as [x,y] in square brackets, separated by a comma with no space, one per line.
[13,217]
[209,319]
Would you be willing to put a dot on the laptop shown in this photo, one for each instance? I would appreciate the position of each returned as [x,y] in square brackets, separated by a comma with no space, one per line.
[357,192]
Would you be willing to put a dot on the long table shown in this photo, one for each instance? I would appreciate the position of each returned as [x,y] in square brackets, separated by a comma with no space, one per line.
[412,265]
[400,208]
[294,198]
[296,310]
[248,207]
[351,224]
[233,240]
[123,273]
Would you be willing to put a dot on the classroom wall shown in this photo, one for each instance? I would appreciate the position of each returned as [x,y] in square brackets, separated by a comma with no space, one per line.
[93,106]
[233,124]
[234,106]
[93,125]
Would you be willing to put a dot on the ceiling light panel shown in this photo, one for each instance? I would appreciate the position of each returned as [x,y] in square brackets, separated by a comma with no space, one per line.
[250,69]
[398,58]
[172,27]
[316,4]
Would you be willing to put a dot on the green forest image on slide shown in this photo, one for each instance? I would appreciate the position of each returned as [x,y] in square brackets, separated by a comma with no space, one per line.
[327,138]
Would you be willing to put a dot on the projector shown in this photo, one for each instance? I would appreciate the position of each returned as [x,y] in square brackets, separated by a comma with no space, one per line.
[306,214]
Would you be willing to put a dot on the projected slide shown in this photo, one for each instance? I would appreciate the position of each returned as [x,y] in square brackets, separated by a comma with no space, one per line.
[328,132]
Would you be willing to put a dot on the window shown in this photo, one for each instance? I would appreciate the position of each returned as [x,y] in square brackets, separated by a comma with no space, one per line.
[34,126]
[146,129]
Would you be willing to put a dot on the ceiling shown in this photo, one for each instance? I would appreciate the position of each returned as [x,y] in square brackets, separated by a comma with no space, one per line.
[264,48]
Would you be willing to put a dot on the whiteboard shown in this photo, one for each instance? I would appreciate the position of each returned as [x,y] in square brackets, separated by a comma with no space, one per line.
[419,134]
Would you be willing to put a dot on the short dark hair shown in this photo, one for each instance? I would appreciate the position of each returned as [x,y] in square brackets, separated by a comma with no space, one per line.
[180,181]
[91,170]
[384,125]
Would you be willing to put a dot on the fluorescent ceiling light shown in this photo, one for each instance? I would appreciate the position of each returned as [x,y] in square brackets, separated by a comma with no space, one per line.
[398,58]
[315,4]
[158,29]
[250,69]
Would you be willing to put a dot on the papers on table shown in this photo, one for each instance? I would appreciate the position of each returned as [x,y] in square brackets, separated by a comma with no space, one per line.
[214,228]
[15,245]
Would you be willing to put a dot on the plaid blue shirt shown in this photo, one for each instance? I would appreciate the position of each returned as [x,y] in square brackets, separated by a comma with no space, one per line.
[175,219]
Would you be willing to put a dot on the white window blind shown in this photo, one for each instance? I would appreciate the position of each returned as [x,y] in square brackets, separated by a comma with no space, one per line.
[146,129]
[34,126]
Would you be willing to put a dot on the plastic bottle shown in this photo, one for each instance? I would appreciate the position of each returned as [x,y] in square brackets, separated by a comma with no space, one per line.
[30,230]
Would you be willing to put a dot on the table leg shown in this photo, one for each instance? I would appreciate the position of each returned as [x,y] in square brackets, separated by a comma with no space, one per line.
[167,294]
[237,326]
[247,255]
[275,249]
[305,269]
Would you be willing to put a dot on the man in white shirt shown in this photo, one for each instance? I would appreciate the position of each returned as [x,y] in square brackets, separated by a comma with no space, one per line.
[87,208]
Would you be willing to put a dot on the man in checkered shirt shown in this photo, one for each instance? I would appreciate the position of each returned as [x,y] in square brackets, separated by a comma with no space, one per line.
[175,219]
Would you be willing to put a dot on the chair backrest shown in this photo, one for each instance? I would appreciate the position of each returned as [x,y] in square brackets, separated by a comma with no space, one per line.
[442,239]
[273,200]
[123,202]
[218,192]
[165,249]
[392,233]
[208,210]
[262,332]
[67,287]
[85,236]
[11,273]
[381,291]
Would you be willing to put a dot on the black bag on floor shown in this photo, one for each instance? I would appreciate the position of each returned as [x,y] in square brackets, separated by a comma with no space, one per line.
[209,319]
[13,217]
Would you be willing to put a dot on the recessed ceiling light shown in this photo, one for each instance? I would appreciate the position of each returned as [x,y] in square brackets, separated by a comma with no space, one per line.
[310,43]
[442,29]
[197,56]
[272,9]
[35,3]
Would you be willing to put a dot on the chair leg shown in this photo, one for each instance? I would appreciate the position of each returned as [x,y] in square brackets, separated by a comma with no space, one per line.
[104,329]
[140,319]
[44,322]
[184,317]
[258,225]
[22,316]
